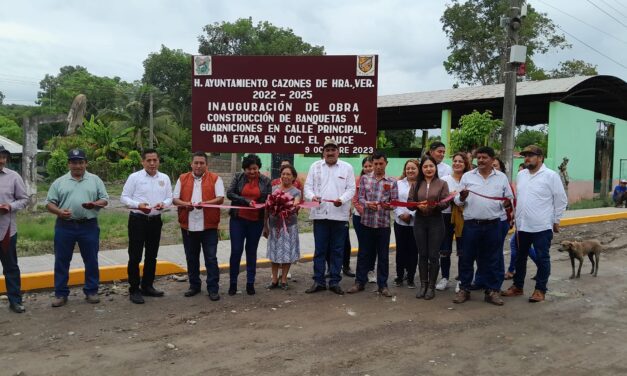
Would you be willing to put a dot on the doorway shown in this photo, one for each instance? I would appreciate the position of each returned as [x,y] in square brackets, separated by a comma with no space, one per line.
[604,158]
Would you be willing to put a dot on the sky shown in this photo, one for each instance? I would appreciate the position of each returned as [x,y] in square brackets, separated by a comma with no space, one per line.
[113,38]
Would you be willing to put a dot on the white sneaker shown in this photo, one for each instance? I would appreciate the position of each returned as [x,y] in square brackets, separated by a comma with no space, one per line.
[372,277]
[457,289]
[442,285]
[289,275]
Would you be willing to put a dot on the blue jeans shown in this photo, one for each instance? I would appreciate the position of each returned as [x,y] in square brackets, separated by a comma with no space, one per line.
[329,239]
[482,244]
[504,229]
[66,235]
[244,234]
[376,244]
[192,242]
[11,271]
[513,246]
[541,241]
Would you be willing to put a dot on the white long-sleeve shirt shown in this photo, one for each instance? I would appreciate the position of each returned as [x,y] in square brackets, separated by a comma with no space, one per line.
[330,182]
[403,192]
[141,187]
[453,186]
[477,207]
[541,200]
[444,170]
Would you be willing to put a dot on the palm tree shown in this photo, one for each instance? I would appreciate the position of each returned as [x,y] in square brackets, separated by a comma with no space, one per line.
[136,117]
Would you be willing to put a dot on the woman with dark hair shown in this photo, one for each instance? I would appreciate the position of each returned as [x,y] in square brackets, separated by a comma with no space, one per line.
[358,210]
[453,219]
[406,251]
[428,192]
[245,227]
[282,234]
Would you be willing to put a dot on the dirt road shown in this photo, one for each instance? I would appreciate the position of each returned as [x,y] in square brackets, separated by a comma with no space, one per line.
[580,330]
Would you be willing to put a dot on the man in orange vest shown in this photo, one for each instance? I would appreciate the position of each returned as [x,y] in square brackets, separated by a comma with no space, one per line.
[199,225]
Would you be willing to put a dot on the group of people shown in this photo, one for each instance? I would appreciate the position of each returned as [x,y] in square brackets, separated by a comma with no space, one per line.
[430,205]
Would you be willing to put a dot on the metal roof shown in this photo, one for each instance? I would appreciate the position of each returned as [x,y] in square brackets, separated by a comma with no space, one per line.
[558,85]
[12,146]
[423,110]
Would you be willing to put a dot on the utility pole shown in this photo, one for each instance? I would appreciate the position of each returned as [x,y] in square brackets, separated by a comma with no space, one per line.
[152,126]
[517,56]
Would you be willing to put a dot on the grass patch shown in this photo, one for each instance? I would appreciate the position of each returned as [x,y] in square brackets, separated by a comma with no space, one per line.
[591,204]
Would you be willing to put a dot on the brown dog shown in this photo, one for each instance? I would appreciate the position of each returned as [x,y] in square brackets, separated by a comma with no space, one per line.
[577,250]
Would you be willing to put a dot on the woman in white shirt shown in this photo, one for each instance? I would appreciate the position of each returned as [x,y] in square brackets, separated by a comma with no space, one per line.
[452,227]
[406,251]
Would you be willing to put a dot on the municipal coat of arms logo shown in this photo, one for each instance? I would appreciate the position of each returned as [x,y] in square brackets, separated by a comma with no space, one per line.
[202,65]
[366,65]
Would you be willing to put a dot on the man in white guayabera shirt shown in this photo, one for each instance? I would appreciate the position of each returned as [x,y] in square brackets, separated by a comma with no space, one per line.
[540,205]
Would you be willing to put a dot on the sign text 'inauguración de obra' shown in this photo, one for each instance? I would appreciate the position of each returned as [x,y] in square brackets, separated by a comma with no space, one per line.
[284,104]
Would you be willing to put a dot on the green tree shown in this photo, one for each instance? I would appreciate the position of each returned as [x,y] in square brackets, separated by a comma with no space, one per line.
[401,138]
[10,129]
[477,43]
[569,68]
[136,116]
[242,37]
[170,71]
[106,141]
[382,141]
[2,98]
[531,137]
[58,92]
[475,129]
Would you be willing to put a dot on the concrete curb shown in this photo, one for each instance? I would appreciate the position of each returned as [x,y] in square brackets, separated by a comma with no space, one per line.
[45,280]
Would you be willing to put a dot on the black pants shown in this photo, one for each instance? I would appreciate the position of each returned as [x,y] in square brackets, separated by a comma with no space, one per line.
[406,252]
[143,231]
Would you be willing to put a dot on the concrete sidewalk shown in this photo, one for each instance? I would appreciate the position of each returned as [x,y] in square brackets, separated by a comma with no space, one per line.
[176,255]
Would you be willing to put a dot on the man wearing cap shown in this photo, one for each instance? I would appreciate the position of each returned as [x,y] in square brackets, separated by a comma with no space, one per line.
[540,205]
[620,193]
[75,198]
[199,226]
[13,197]
[330,182]
[147,192]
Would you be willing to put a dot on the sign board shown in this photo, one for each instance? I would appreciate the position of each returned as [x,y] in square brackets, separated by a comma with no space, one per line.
[284,104]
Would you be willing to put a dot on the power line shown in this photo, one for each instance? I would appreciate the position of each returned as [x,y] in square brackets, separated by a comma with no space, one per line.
[616,10]
[621,4]
[592,48]
[603,10]
[583,22]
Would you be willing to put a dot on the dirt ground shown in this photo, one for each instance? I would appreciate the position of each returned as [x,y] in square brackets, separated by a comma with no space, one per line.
[579,330]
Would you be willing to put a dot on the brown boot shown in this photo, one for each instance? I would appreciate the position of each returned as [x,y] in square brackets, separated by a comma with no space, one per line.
[461,296]
[536,297]
[494,297]
[356,288]
[512,291]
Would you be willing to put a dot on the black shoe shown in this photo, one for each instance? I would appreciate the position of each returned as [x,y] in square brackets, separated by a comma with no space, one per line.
[151,291]
[272,285]
[315,288]
[17,307]
[136,297]
[348,272]
[336,289]
[250,288]
[233,289]
[398,281]
[214,296]
[534,277]
[191,292]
